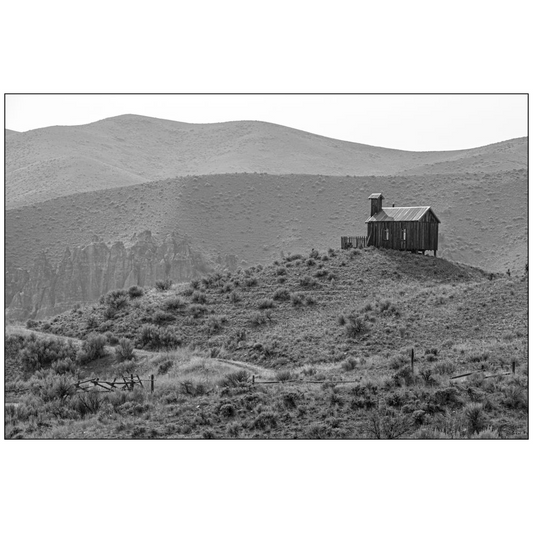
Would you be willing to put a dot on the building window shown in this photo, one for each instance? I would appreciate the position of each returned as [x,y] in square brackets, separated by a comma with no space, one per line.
[404,234]
[386,235]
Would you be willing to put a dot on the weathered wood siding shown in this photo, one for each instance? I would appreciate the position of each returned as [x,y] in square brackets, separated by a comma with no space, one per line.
[420,235]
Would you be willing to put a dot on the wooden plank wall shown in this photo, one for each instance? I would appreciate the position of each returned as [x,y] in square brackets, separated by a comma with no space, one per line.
[420,235]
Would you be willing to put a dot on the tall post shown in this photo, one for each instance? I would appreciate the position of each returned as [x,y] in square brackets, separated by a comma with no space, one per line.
[514,366]
[152,383]
[413,361]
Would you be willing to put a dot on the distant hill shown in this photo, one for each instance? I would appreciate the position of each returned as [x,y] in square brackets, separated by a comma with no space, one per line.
[58,161]
[257,216]
[10,132]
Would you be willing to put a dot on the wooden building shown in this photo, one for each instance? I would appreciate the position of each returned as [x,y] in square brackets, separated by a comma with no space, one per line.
[402,228]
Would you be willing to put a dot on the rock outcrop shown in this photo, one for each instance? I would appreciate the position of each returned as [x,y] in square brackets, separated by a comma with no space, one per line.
[86,273]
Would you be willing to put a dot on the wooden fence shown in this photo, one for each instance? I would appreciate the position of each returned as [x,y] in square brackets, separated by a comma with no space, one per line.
[124,383]
[353,242]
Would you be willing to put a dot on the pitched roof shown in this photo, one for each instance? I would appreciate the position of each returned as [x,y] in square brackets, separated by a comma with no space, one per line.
[375,195]
[401,214]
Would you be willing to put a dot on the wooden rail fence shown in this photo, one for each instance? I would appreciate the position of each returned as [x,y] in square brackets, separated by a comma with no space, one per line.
[353,242]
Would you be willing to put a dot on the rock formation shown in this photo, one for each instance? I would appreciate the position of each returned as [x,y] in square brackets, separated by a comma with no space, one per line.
[87,272]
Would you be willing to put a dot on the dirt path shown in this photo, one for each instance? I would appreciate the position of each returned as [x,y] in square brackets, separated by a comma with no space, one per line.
[144,354]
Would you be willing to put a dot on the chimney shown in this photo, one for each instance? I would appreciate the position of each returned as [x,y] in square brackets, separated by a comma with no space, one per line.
[376,201]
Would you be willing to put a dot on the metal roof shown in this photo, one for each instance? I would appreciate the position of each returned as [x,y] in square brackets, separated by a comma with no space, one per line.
[376,195]
[401,214]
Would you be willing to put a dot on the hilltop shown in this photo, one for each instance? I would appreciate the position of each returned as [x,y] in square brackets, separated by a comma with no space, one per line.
[58,161]
[322,318]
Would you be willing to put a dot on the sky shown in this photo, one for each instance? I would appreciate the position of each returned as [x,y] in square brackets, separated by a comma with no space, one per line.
[415,122]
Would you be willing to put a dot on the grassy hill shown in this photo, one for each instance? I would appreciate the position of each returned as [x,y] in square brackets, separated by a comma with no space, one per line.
[258,216]
[131,149]
[307,322]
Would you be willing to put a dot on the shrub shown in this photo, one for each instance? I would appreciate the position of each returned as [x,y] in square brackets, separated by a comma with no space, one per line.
[87,403]
[314,254]
[195,284]
[235,379]
[331,252]
[197,310]
[31,324]
[310,300]
[153,337]
[475,417]
[227,287]
[293,257]
[308,281]
[349,364]
[92,322]
[258,319]
[135,292]
[199,297]
[124,350]
[264,420]
[355,327]
[341,320]
[283,375]
[297,299]
[36,353]
[310,262]
[234,297]
[214,324]
[281,294]
[111,339]
[160,317]
[250,282]
[193,388]
[265,303]
[321,273]
[174,304]
[110,313]
[515,397]
[116,299]
[444,367]
[281,271]
[227,410]
[93,348]
[163,285]
[64,366]
[281,280]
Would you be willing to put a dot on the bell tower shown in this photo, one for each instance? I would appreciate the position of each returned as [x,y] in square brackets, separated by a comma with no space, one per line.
[376,201]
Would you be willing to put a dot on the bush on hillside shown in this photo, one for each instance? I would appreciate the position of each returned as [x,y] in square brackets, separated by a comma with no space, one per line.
[309,282]
[158,338]
[161,317]
[163,285]
[199,297]
[124,350]
[116,299]
[36,353]
[265,303]
[135,291]
[92,349]
[281,294]
[174,304]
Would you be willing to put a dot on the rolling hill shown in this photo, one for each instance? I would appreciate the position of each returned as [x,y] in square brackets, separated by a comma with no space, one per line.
[132,149]
[249,190]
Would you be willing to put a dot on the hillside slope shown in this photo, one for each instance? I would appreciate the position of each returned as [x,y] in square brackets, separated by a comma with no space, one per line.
[132,149]
[257,216]
[334,331]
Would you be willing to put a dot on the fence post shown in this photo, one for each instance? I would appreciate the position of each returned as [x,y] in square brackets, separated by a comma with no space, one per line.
[253,379]
[413,361]
[152,383]
[514,366]
[132,382]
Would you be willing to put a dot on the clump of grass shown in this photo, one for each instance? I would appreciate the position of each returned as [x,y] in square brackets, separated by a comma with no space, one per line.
[157,338]
[321,273]
[199,297]
[297,299]
[197,310]
[354,326]
[234,297]
[265,303]
[250,281]
[349,364]
[310,262]
[214,324]
[475,417]
[309,282]
[35,353]
[281,279]
[161,317]
[163,284]
[258,319]
[238,378]
[284,375]
[281,294]
[281,271]
[174,304]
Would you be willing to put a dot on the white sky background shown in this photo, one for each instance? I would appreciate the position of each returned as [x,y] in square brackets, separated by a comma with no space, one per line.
[409,122]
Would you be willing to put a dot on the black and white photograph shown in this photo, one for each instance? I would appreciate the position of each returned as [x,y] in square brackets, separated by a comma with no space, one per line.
[266,266]
[186,273]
